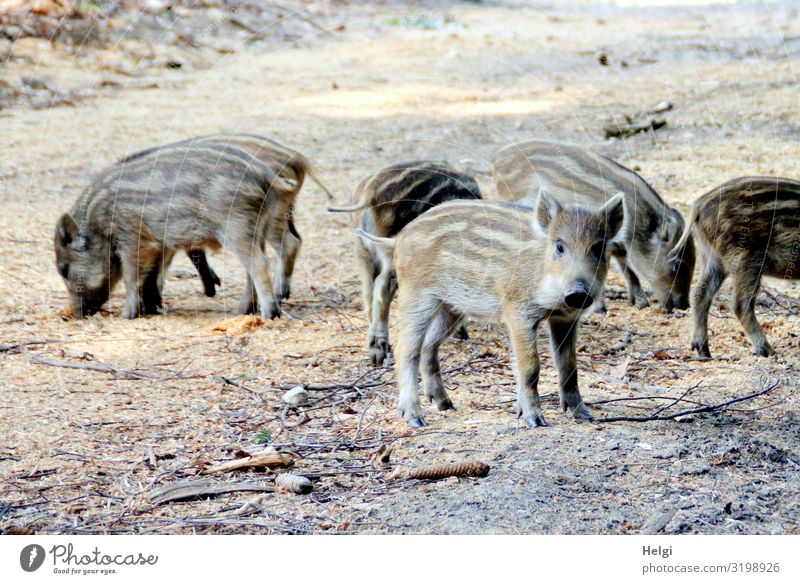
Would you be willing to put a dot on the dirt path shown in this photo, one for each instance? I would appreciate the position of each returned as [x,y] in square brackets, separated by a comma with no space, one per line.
[80,449]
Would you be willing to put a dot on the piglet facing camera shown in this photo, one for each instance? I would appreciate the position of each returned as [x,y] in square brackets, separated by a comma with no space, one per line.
[499,262]
[576,175]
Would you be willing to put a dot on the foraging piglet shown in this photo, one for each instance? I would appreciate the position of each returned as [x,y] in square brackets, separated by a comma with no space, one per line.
[289,164]
[391,199]
[496,261]
[191,195]
[748,227]
[573,174]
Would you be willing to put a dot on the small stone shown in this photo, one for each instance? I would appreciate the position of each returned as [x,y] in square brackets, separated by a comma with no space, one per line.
[669,452]
[696,468]
[297,396]
[657,522]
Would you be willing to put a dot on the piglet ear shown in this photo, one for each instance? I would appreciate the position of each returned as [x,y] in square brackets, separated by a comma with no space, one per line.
[546,210]
[614,214]
[66,230]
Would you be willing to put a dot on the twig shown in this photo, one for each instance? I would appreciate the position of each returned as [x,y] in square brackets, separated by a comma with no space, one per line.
[701,410]
[99,366]
[660,409]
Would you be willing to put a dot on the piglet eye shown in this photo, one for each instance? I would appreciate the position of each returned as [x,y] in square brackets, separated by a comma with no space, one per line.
[598,249]
[559,247]
[63,269]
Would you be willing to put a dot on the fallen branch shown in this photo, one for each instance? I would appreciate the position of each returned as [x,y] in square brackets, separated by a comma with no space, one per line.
[622,129]
[677,400]
[266,460]
[701,410]
[96,366]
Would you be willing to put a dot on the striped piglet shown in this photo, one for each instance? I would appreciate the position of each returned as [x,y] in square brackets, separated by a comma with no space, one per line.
[389,200]
[578,175]
[501,262]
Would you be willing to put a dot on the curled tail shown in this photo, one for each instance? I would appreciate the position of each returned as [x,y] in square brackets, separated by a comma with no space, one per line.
[301,167]
[687,233]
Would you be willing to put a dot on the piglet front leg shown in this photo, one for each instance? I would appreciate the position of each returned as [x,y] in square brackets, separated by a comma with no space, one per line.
[563,338]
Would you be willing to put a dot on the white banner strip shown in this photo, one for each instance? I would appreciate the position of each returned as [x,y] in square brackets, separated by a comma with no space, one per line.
[356,559]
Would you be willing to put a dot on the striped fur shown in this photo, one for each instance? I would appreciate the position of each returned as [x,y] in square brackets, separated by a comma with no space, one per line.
[491,260]
[748,227]
[573,174]
[190,195]
[389,200]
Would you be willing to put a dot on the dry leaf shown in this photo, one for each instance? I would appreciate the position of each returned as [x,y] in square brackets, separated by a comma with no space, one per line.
[620,371]
[238,325]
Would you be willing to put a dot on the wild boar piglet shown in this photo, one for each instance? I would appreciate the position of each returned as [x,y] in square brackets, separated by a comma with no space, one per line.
[388,201]
[230,190]
[747,228]
[500,262]
[573,174]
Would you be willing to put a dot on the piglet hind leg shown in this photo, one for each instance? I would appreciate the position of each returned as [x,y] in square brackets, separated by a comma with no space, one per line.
[440,327]
[285,240]
[207,275]
[151,290]
[563,338]
[526,360]
[745,289]
[711,279]
[415,316]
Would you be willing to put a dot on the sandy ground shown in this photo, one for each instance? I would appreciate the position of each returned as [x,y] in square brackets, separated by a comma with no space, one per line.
[81,449]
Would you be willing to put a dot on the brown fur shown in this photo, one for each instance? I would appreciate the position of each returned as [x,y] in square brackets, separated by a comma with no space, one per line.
[573,174]
[490,260]
[389,200]
[748,227]
[192,195]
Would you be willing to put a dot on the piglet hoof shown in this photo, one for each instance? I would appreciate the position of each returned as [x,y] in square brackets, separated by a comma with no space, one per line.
[445,404]
[536,420]
[640,301]
[461,334]
[581,414]
[210,285]
[702,350]
[764,350]
[601,309]
[130,313]
[377,356]
[271,311]
[416,423]
[378,351]
[285,292]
